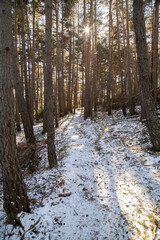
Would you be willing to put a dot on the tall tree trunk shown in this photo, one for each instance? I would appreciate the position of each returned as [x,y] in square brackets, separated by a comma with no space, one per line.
[63,92]
[18,126]
[45,103]
[110,75]
[73,67]
[124,53]
[49,86]
[27,95]
[144,72]
[14,192]
[131,99]
[95,75]
[58,78]
[120,63]
[28,128]
[18,85]
[38,82]
[76,83]
[87,67]
[33,64]
[69,73]
[154,51]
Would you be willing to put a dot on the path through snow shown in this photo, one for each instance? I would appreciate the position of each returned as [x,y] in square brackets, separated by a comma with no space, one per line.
[112,184]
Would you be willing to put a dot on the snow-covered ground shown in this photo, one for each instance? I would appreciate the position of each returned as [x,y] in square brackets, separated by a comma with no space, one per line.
[106,184]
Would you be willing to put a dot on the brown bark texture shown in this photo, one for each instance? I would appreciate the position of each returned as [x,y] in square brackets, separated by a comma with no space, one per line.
[49,86]
[15,196]
[153,123]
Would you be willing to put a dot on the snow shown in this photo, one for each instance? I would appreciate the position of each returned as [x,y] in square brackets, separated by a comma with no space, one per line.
[106,184]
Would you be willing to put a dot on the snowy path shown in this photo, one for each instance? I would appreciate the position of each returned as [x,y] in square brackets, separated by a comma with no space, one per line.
[111,182]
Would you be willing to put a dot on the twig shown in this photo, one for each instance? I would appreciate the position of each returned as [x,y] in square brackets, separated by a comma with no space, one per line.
[101,181]
[31,227]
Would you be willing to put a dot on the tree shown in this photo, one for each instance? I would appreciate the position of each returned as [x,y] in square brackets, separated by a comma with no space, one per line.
[131,99]
[87,103]
[110,74]
[144,72]
[27,92]
[15,196]
[49,86]
[119,60]
[154,52]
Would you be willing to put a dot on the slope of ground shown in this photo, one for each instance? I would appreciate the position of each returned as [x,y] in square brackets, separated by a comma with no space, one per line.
[106,184]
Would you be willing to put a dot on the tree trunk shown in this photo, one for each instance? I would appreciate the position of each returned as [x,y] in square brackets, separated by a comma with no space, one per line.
[87,68]
[28,128]
[124,53]
[63,92]
[154,52]
[14,192]
[49,86]
[110,75]
[18,85]
[95,75]
[58,67]
[69,73]
[131,99]
[144,72]
[73,67]
[18,126]
[76,83]
[120,63]
[27,95]
[33,64]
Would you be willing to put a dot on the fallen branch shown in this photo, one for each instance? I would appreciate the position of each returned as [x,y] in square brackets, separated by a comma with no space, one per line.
[64,194]
[31,227]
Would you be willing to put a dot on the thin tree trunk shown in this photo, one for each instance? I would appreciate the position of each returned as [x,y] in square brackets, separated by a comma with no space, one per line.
[21,104]
[69,73]
[63,92]
[110,75]
[18,126]
[73,69]
[33,63]
[28,128]
[58,78]
[131,99]
[76,84]
[87,67]
[27,97]
[124,53]
[95,60]
[154,53]
[120,63]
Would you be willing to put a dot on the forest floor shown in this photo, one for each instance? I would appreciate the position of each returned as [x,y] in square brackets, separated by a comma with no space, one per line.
[106,184]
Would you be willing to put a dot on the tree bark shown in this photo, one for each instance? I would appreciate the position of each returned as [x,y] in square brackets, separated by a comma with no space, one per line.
[27,94]
[87,67]
[144,72]
[120,63]
[110,74]
[154,51]
[18,126]
[33,64]
[49,86]
[63,91]
[69,74]
[131,99]
[15,196]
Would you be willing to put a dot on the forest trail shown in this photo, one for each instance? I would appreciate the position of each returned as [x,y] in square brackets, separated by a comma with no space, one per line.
[106,186]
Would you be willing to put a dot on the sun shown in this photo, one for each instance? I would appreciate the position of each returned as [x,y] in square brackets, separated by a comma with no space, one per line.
[86,30]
